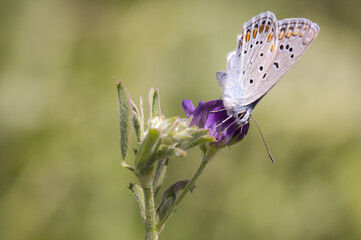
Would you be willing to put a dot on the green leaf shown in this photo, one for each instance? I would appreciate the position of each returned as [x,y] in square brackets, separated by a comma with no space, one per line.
[147,148]
[139,195]
[166,151]
[141,110]
[177,152]
[137,123]
[200,141]
[159,175]
[125,117]
[154,103]
[199,132]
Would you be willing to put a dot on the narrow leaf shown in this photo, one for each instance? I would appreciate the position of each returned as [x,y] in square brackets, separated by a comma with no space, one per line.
[159,174]
[165,151]
[137,123]
[177,152]
[147,148]
[199,132]
[200,141]
[141,110]
[125,117]
[154,102]
[139,195]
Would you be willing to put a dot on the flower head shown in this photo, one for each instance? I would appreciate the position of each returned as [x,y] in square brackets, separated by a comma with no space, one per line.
[213,116]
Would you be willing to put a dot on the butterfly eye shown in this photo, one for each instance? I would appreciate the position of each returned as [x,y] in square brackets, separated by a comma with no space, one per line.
[241,115]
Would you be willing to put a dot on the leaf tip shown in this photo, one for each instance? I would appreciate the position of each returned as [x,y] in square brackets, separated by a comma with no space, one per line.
[117,82]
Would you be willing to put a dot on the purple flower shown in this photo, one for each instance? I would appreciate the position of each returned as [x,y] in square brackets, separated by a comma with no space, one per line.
[213,116]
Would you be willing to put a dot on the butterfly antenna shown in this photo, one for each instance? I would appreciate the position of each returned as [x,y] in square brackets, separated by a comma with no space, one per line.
[269,153]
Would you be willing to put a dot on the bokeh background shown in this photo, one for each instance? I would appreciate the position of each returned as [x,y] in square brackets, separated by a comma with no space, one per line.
[60,176]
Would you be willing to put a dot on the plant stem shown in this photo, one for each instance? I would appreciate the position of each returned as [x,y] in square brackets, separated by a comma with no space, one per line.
[150,222]
[188,187]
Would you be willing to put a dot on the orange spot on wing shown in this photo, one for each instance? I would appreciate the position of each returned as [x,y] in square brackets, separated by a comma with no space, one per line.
[271,47]
[288,34]
[239,44]
[261,28]
[295,33]
[267,28]
[254,32]
[281,35]
[247,36]
[269,37]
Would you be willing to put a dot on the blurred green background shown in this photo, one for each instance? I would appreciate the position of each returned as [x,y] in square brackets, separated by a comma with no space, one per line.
[60,176]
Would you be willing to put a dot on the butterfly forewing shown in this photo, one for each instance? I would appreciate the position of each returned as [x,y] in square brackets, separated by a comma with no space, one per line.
[265,51]
[258,52]
[252,39]
[293,37]
[256,38]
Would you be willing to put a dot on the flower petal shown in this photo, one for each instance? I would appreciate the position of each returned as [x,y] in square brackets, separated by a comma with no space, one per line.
[243,133]
[188,107]
[202,112]
[213,116]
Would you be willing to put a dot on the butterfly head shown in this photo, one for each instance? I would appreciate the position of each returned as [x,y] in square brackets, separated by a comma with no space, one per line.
[239,112]
[241,115]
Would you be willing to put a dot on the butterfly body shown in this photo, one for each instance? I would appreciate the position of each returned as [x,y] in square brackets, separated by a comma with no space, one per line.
[265,51]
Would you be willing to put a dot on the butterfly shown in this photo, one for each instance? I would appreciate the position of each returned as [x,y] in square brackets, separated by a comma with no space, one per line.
[265,51]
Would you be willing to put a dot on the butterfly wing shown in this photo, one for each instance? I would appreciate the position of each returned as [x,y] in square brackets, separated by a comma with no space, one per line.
[286,44]
[253,47]
[257,38]
[265,51]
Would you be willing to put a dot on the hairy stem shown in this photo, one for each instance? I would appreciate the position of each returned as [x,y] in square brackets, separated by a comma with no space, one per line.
[150,222]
